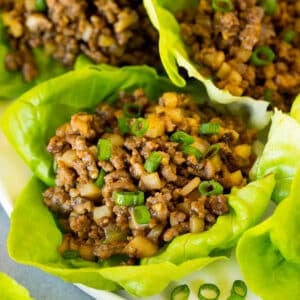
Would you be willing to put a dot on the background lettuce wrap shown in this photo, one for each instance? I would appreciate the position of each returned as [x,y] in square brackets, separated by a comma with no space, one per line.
[11,290]
[12,84]
[31,120]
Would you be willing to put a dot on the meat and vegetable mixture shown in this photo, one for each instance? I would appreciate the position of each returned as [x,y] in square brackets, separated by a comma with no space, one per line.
[133,176]
[116,32]
[247,47]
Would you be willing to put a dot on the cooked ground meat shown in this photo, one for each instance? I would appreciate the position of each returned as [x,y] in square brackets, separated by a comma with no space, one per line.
[114,32]
[222,44]
[142,186]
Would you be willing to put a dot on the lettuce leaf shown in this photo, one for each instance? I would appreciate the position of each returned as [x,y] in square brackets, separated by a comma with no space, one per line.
[33,118]
[11,290]
[174,53]
[12,83]
[269,254]
[281,154]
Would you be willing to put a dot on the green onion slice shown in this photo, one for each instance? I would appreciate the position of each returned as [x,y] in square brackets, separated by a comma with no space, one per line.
[222,5]
[268,95]
[123,125]
[182,137]
[239,288]
[68,254]
[180,292]
[100,182]
[131,110]
[209,128]
[140,126]
[210,187]
[208,291]
[128,198]
[141,214]
[269,6]
[104,149]
[40,5]
[262,56]
[152,162]
[191,150]
[212,150]
[289,36]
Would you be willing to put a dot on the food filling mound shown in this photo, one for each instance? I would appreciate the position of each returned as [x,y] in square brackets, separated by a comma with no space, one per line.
[250,48]
[116,32]
[133,176]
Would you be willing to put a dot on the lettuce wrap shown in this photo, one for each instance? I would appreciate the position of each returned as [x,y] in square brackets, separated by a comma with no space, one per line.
[11,290]
[12,83]
[33,118]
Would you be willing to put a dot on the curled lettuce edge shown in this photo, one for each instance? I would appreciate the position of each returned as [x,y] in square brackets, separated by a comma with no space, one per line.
[174,53]
[269,253]
[11,290]
[28,123]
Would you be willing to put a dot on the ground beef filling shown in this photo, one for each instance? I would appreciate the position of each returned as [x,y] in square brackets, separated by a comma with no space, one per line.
[222,44]
[113,32]
[184,191]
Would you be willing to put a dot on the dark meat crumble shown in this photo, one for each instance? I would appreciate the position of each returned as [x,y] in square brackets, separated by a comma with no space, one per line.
[116,32]
[132,177]
[223,43]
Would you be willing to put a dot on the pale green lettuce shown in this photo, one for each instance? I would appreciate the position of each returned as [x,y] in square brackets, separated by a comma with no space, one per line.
[269,254]
[33,118]
[174,53]
[11,290]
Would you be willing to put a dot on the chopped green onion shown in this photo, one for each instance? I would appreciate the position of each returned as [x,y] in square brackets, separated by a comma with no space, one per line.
[210,187]
[209,128]
[222,5]
[54,165]
[131,110]
[190,150]
[104,149]
[128,198]
[140,126]
[182,137]
[208,291]
[40,5]
[100,182]
[239,288]
[212,150]
[141,214]
[152,162]
[289,36]
[68,254]
[268,95]
[180,292]
[269,6]
[262,56]
[123,125]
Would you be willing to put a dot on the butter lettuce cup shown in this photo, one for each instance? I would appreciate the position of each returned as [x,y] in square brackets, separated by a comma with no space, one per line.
[237,49]
[160,131]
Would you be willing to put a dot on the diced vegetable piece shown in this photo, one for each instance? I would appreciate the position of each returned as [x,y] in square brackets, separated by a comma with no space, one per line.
[141,247]
[151,181]
[89,190]
[101,212]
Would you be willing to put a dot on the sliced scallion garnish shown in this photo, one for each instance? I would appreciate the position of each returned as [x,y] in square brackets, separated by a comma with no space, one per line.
[191,150]
[238,290]
[153,161]
[210,187]
[180,292]
[141,214]
[289,36]
[262,56]
[208,291]
[222,5]
[209,128]
[100,182]
[131,110]
[212,150]
[128,198]
[40,5]
[269,6]
[182,137]
[104,149]
[123,125]
[140,127]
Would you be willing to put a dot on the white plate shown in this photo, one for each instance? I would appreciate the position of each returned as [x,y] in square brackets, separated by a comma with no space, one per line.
[14,175]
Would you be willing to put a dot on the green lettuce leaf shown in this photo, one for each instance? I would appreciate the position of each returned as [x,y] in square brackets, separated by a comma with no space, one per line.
[269,254]
[11,290]
[12,84]
[174,53]
[33,118]
[281,154]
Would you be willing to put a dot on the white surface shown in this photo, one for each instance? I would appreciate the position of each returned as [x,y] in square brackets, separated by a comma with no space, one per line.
[14,175]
